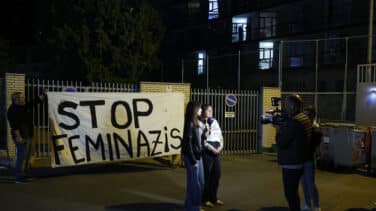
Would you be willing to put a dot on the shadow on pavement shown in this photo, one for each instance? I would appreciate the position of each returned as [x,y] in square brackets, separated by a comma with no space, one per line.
[274,209]
[151,207]
[6,180]
[147,207]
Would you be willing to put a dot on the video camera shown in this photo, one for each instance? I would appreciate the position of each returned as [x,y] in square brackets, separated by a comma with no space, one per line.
[275,116]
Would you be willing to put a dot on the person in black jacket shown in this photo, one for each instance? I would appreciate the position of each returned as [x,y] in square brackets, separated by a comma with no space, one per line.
[293,138]
[192,147]
[20,119]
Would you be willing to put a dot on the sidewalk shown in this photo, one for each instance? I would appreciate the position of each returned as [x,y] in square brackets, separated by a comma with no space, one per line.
[247,183]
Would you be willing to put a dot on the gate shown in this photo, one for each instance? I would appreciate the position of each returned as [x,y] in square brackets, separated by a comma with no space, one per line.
[34,88]
[238,117]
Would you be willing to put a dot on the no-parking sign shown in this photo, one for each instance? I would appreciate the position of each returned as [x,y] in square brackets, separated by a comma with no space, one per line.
[231,100]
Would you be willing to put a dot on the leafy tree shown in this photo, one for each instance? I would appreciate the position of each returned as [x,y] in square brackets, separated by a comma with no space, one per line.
[97,40]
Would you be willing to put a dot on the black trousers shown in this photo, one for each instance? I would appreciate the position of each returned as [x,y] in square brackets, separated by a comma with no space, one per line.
[291,178]
[212,172]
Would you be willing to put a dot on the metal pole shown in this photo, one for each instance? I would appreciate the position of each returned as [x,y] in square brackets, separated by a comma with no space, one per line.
[207,72]
[370,31]
[316,73]
[239,70]
[280,65]
[182,70]
[344,99]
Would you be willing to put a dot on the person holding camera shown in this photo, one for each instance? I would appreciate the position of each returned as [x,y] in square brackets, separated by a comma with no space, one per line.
[293,139]
[20,118]
[211,156]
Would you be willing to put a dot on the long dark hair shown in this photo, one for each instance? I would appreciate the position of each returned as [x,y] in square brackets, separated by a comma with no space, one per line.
[191,113]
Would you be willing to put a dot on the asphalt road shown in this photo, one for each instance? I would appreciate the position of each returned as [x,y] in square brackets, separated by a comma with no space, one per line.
[247,183]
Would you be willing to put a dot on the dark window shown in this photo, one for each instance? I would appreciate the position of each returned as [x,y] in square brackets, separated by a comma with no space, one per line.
[339,12]
[267,24]
[295,55]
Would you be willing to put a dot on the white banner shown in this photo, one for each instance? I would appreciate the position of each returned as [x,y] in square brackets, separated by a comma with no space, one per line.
[103,127]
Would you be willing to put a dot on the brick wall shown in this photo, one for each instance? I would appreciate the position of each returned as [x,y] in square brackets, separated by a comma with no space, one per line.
[268,131]
[168,87]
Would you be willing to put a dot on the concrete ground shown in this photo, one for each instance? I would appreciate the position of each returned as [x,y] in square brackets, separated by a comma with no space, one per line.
[247,183]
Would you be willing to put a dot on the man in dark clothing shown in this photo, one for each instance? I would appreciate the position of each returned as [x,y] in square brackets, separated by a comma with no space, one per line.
[293,138]
[22,128]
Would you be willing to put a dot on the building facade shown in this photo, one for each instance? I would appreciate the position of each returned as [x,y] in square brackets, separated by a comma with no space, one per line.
[313,45]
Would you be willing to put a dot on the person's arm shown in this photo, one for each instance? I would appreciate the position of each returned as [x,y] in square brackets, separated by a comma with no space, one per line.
[19,138]
[189,138]
[218,133]
[39,99]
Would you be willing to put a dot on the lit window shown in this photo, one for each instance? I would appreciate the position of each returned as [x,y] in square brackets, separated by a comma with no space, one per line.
[213,9]
[239,29]
[266,55]
[200,63]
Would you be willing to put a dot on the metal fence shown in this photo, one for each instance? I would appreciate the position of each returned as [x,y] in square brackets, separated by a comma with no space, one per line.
[366,73]
[35,87]
[238,122]
[323,68]
[330,105]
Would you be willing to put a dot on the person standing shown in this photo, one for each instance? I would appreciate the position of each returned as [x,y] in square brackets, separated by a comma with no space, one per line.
[293,138]
[192,150]
[211,157]
[20,118]
[308,178]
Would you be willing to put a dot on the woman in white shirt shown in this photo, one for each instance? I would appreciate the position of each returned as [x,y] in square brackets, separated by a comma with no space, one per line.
[213,145]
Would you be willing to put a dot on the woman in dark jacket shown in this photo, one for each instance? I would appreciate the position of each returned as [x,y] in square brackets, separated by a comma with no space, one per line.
[293,139]
[191,150]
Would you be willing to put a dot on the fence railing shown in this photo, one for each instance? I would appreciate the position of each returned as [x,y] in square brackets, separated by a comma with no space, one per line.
[331,106]
[366,73]
[35,87]
[238,121]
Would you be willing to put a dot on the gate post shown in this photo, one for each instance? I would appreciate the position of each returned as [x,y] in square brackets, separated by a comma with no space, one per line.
[266,133]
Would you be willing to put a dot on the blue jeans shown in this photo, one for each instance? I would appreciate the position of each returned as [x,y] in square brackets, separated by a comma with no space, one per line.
[309,186]
[23,152]
[195,185]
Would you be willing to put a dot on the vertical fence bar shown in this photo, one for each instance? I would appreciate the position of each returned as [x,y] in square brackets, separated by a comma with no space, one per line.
[207,71]
[280,64]
[316,72]
[239,70]
[344,97]
[256,98]
[42,126]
